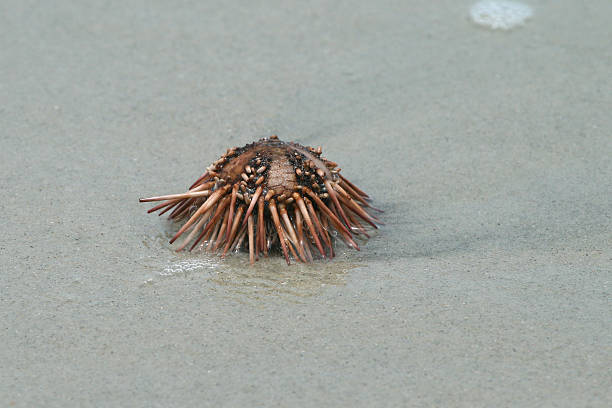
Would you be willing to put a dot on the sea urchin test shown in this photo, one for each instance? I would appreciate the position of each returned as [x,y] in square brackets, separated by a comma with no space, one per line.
[502,15]
[275,194]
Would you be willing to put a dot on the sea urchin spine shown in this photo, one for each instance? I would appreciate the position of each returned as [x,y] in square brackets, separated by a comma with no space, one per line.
[270,191]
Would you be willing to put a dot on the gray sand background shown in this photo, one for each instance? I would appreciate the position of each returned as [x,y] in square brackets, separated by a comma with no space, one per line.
[490,152]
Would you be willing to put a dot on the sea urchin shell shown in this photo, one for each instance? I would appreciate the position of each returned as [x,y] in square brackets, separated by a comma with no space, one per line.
[271,191]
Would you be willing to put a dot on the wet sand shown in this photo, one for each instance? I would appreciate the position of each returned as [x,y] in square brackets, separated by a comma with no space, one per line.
[490,153]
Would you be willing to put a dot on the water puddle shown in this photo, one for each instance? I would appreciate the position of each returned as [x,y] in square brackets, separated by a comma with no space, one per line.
[267,277]
[234,275]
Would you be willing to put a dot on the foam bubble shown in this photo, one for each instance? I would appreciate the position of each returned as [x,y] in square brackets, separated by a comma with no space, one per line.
[500,15]
[186,266]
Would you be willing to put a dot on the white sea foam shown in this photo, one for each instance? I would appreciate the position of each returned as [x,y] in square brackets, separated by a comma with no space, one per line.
[500,15]
[186,266]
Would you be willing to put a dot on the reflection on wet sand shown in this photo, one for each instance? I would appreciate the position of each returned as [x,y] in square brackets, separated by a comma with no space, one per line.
[272,276]
[269,277]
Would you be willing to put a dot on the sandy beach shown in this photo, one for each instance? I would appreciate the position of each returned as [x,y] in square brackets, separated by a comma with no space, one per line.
[489,151]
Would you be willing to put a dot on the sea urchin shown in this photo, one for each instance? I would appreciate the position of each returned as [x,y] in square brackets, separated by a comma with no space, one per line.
[273,192]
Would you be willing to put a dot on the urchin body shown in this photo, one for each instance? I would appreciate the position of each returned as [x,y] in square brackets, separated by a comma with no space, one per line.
[272,192]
